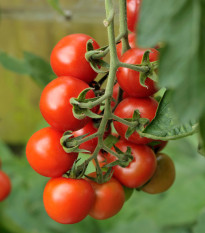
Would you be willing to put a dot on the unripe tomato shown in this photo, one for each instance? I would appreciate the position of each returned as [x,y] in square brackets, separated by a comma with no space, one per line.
[55,103]
[140,169]
[132,43]
[68,57]
[125,109]
[109,198]
[129,80]
[5,186]
[67,200]
[133,7]
[46,155]
[163,177]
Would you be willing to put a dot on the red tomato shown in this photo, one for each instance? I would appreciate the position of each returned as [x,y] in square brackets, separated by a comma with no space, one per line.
[102,158]
[89,129]
[163,177]
[129,80]
[133,7]
[68,57]
[115,94]
[46,155]
[140,169]
[125,109]
[55,103]
[68,201]
[109,198]
[160,146]
[5,186]
[132,42]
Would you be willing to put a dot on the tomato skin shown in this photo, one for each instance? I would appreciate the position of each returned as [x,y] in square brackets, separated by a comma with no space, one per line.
[160,146]
[133,7]
[55,103]
[163,177]
[132,43]
[67,200]
[109,198]
[129,80]
[68,57]
[140,169]
[115,94]
[5,186]
[46,155]
[125,109]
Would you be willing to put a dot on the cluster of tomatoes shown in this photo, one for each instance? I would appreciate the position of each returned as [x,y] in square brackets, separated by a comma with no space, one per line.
[68,200]
[5,184]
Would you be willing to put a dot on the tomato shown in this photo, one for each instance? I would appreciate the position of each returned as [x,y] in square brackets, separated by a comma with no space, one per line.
[129,80]
[55,103]
[5,186]
[133,7]
[163,177]
[89,129]
[159,146]
[102,158]
[67,200]
[125,109]
[132,43]
[115,94]
[140,169]
[46,155]
[109,198]
[68,57]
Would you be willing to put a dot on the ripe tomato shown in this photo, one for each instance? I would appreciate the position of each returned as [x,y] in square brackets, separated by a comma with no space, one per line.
[109,198]
[125,109]
[140,169]
[68,201]
[89,129]
[46,155]
[5,186]
[158,147]
[163,177]
[55,103]
[102,158]
[133,7]
[132,42]
[129,80]
[68,57]
[115,94]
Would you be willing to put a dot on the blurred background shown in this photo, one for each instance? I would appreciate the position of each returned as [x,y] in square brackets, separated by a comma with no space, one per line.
[29,29]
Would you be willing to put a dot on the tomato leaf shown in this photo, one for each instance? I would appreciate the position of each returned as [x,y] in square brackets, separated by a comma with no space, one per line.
[34,66]
[166,125]
[179,26]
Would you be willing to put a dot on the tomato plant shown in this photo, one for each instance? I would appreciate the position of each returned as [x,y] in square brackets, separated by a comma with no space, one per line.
[147,108]
[68,200]
[116,93]
[5,185]
[55,103]
[163,177]
[139,170]
[129,80]
[109,198]
[68,52]
[46,155]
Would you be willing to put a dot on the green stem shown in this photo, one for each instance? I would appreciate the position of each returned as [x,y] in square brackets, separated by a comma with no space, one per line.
[112,152]
[138,68]
[123,25]
[94,103]
[123,121]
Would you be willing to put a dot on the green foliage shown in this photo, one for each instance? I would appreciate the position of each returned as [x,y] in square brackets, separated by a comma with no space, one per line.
[179,26]
[55,4]
[175,211]
[167,125]
[34,66]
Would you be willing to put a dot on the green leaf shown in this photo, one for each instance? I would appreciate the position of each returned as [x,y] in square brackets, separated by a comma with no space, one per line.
[201,147]
[166,125]
[110,141]
[179,25]
[56,6]
[34,66]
